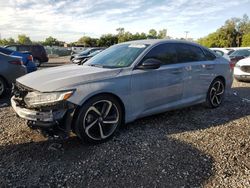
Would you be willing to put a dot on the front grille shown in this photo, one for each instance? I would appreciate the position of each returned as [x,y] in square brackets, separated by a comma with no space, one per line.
[245,69]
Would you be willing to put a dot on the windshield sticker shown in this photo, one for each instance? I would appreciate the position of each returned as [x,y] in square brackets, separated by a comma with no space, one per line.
[137,46]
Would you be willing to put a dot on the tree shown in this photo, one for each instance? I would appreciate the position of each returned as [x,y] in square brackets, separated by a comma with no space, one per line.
[246,40]
[50,41]
[107,40]
[162,34]
[8,41]
[152,34]
[23,39]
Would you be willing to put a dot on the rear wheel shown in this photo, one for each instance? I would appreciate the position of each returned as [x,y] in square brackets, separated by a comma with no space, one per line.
[37,62]
[99,119]
[215,94]
[3,87]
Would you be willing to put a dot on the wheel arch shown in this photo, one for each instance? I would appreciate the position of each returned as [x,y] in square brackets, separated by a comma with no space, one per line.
[77,110]
[5,80]
[222,78]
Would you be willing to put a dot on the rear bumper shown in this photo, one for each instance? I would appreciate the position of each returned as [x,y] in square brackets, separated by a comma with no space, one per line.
[241,75]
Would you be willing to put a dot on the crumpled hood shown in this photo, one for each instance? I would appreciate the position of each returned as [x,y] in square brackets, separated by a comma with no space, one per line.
[59,78]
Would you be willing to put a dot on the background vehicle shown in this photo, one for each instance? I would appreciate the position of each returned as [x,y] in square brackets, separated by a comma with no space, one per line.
[221,53]
[85,52]
[10,69]
[37,51]
[84,58]
[242,70]
[238,55]
[26,58]
[120,84]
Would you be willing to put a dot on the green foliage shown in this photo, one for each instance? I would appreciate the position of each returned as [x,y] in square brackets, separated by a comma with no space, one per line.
[152,34]
[87,41]
[107,40]
[23,39]
[246,40]
[231,34]
[8,41]
[50,41]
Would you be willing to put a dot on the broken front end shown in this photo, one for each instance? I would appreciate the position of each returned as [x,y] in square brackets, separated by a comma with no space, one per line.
[49,112]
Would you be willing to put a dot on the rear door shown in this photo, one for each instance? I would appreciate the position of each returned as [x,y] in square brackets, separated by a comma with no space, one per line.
[193,60]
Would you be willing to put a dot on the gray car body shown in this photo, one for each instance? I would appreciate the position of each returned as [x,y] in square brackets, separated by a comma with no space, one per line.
[141,92]
[10,72]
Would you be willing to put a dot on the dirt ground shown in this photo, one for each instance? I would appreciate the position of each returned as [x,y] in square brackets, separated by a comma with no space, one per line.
[191,147]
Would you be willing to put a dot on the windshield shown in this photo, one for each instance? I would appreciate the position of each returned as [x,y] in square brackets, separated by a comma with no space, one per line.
[117,56]
[241,53]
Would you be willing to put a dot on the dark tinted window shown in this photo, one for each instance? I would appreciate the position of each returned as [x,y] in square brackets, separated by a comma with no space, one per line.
[24,48]
[189,53]
[5,51]
[209,55]
[166,53]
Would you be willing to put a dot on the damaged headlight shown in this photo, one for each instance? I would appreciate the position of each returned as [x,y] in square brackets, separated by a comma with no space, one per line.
[34,99]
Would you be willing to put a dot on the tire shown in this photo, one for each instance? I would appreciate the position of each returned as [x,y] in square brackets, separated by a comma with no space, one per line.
[3,87]
[215,94]
[98,119]
[37,62]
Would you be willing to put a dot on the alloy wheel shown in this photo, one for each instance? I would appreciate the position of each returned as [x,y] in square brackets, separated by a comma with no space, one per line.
[101,120]
[216,93]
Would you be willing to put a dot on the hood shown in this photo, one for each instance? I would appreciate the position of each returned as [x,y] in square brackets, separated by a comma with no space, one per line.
[245,61]
[67,76]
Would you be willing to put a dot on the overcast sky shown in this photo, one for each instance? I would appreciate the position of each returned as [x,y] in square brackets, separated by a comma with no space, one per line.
[68,20]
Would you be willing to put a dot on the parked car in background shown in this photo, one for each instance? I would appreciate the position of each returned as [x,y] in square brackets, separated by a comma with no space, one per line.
[222,52]
[120,84]
[26,58]
[10,69]
[238,55]
[82,59]
[37,51]
[85,52]
[242,70]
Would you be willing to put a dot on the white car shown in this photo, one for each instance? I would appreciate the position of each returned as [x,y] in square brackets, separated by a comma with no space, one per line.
[242,70]
[222,52]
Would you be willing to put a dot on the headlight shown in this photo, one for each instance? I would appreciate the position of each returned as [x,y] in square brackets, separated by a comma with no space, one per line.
[35,98]
[237,65]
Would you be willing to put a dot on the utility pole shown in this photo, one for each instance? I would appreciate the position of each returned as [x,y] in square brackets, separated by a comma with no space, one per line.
[186,34]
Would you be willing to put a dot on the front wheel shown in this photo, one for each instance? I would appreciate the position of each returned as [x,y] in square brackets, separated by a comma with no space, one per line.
[215,94]
[98,119]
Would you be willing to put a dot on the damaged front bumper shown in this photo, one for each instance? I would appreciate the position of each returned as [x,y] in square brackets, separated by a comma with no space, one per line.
[43,116]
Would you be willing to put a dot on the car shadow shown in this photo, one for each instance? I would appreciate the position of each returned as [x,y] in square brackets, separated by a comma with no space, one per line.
[157,162]
[141,154]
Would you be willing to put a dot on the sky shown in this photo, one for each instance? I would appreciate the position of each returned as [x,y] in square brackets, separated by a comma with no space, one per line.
[68,20]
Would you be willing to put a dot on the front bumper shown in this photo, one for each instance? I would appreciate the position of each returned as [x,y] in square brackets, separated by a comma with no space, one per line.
[40,116]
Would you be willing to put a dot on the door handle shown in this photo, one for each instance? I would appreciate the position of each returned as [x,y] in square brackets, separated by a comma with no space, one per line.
[177,71]
[209,66]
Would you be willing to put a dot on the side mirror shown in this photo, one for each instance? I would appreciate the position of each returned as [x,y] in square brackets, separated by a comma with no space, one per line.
[149,64]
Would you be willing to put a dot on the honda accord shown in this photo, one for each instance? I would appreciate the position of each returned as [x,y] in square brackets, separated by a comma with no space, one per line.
[122,83]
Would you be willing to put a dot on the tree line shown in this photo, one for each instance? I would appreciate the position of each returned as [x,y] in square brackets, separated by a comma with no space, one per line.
[234,33]
[104,40]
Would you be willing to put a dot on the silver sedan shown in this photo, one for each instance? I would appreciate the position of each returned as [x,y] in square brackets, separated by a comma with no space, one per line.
[124,82]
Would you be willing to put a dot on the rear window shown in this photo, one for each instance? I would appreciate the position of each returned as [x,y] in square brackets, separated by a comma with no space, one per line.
[189,53]
[5,51]
[209,55]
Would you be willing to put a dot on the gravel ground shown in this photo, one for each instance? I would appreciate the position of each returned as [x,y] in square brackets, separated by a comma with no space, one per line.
[192,147]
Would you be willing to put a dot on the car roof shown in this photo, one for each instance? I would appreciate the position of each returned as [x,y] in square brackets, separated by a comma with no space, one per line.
[160,41]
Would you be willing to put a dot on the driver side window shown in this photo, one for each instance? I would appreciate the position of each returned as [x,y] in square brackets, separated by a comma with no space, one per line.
[165,53]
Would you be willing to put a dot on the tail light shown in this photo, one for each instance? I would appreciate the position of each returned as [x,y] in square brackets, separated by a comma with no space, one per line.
[16,62]
[30,58]
[232,64]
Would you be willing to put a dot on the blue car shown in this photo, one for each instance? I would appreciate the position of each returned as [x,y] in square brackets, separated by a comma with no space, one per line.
[26,58]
